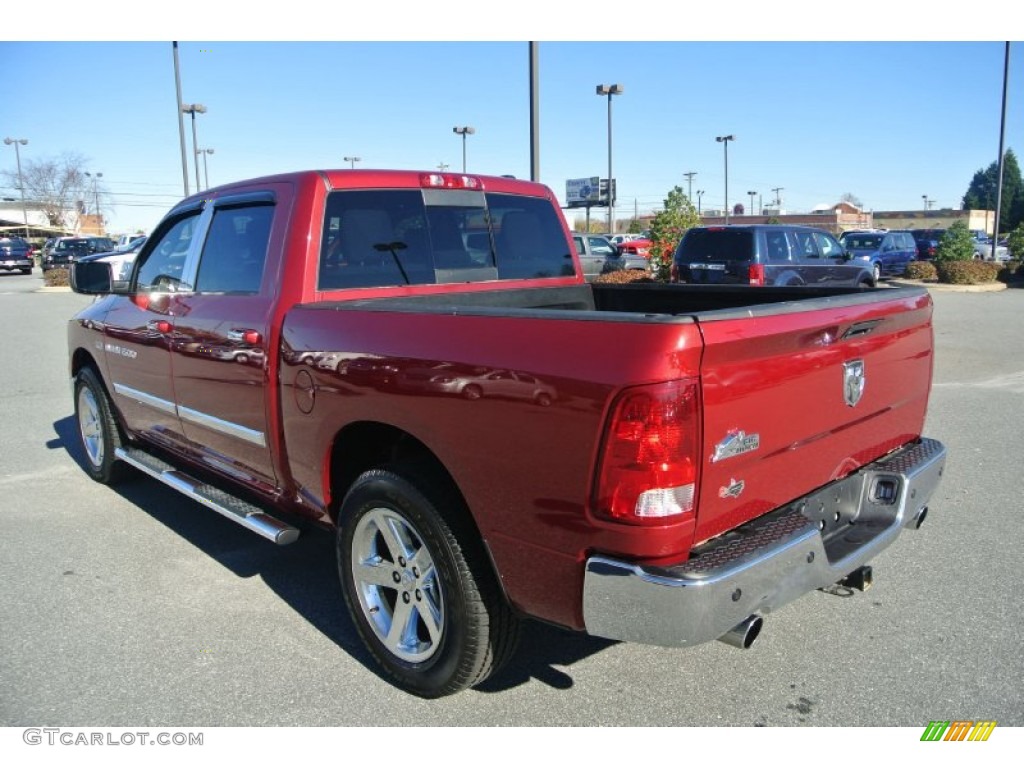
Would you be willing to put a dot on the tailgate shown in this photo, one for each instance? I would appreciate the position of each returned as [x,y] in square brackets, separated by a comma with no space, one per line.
[800,394]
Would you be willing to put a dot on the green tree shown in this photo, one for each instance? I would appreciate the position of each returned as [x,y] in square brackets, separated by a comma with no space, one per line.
[981,194]
[956,243]
[1015,242]
[667,229]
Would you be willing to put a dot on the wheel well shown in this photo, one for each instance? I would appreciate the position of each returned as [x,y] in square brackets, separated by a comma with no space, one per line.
[82,359]
[366,445]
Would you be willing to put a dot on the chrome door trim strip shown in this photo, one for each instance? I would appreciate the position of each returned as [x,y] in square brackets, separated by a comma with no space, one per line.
[225,427]
[166,406]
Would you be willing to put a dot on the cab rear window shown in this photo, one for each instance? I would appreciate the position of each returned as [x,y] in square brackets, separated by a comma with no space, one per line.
[378,238]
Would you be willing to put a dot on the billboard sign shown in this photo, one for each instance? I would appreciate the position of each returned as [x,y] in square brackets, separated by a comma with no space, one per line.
[580,193]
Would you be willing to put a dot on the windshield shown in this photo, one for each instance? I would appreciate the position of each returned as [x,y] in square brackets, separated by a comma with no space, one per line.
[861,242]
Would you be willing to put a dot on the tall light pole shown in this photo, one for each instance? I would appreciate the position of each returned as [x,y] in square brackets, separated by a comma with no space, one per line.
[725,143]
[689,184]
[192,109]
[21,182]
[700,194]
[352,161]
[465,130]
[924,201]
[96,198]
[181,120]
[610,90]
[751,193]
[778,197]
[206,171]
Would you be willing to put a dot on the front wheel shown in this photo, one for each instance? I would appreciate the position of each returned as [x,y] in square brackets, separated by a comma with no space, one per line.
[417,585]
[97,430]
[876,273]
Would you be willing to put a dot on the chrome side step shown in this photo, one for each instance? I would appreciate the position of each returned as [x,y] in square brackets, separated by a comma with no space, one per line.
[233,508]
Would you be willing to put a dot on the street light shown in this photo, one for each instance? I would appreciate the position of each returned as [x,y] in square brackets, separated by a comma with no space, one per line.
[352,161]
[700,194]
[465,130]
[206,171]
[442,167]
[21,181]
[751,193]
[96,197]
[192,109]
[725,142]
[609,91]
[924,201]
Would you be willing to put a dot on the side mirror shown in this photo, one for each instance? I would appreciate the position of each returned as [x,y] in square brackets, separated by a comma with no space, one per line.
[91,277]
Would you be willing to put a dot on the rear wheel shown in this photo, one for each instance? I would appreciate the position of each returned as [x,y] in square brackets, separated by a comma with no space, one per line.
[97,430]
[417,584]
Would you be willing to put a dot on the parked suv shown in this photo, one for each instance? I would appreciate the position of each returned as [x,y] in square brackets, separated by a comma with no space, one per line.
[15,253]
[68,249]
[765,254]
[927,241]
[883,252]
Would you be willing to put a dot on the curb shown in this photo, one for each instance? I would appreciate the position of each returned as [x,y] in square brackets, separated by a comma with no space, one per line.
[946,288]
[53,289]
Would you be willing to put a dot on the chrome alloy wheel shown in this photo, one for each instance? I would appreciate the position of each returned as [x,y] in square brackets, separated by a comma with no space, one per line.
[90,426]
[397,584]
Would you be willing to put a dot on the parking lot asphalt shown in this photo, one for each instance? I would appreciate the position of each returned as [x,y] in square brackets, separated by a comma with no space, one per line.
[134,606]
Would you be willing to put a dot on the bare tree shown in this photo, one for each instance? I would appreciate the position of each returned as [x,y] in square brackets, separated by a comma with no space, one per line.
[60,185]
[852,199]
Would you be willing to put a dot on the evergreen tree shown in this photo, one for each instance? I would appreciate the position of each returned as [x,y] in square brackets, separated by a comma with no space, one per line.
[981,194]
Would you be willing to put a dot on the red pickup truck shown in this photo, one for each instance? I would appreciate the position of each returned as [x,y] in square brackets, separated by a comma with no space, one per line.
[415,362]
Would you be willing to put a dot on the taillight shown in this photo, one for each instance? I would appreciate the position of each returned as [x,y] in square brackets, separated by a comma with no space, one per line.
[449,181]
[648,469]
[755,274]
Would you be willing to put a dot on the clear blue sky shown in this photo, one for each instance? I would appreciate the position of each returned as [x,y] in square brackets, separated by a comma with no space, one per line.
[885,121]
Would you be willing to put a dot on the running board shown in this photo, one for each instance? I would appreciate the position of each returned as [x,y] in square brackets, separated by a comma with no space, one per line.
[233,508]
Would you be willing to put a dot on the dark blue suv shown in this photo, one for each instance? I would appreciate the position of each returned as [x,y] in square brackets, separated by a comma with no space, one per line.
[883,252]
[766,254]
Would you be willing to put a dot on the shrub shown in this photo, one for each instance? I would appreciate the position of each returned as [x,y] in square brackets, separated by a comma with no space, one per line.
[967,272]
[57,277]
[1015,242]
[955,244]
[1011,271]
[921,270]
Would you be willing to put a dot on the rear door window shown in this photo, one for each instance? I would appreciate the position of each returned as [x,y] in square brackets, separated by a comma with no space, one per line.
[776,246]
[806,248]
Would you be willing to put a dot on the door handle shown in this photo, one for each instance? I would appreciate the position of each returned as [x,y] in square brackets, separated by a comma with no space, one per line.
[160,326]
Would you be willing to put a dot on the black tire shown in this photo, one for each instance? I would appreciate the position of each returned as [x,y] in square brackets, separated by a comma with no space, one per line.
[27,271]
[98,434]
[404,540]
[472,392]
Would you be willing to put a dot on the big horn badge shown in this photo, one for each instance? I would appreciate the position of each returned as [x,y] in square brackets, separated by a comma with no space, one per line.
[853,381]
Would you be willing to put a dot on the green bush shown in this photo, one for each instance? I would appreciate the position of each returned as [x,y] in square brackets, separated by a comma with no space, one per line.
[921,270]
[956,243]
[57,277]
[967,272]
[1011,271]
[1015,242]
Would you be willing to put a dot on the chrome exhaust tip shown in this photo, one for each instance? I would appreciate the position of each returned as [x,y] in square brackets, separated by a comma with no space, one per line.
[919,517]
[745,633]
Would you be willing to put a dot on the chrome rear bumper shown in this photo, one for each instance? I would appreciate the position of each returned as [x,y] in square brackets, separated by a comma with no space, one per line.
[760,566]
